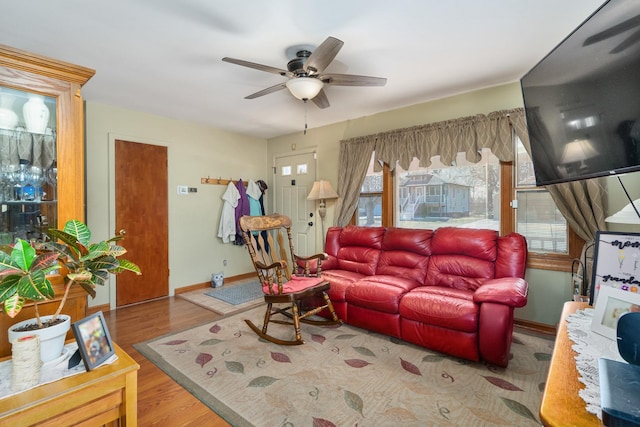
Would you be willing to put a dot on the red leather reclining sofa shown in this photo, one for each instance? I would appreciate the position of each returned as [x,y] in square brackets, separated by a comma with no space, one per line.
[452,290]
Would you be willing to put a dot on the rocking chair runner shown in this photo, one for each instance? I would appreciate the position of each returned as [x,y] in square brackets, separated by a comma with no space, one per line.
[284,280]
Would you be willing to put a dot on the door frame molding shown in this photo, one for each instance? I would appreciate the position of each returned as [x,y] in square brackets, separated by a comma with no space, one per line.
[113,136]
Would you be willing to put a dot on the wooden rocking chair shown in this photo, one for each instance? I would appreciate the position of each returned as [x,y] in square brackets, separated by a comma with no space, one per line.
[285,277]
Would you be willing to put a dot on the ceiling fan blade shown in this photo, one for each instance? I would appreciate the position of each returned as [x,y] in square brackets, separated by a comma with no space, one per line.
[323,55]
[631,40]
[613,31]
[352,80]
[321,99]
[260,67]
[267,91]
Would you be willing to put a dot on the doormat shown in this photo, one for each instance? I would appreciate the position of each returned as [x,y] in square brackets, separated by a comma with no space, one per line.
[347,376]
[237,294]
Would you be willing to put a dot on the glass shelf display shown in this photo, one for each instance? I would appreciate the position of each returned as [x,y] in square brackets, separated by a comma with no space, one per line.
[28,165]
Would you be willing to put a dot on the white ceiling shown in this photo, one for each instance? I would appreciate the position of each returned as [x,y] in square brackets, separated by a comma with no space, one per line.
[164,56]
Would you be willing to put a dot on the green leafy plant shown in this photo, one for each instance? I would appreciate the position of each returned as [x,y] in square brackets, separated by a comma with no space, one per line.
[23,270]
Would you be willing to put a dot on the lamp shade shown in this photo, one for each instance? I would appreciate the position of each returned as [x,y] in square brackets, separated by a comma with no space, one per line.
[322,190]
[626,215]
[577,151]
[304,87]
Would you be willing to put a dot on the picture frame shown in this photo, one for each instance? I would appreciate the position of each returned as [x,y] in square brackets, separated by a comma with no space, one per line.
[94,341]
[616,263]
[613,303]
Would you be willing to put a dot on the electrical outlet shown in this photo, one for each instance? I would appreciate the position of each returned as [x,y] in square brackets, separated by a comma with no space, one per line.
[224,262]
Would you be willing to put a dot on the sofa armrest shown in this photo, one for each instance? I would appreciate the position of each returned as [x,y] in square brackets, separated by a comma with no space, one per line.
[510,291]
[307,267]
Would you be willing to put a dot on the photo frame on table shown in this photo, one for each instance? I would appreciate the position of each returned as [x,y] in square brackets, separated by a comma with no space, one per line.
[613,303]
[616,263]
[94,342]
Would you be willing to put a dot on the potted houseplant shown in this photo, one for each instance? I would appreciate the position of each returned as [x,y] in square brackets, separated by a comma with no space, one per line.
[23,275]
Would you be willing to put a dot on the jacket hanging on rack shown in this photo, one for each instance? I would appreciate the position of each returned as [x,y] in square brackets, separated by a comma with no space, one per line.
[227,228]
[254,194]
[242,209]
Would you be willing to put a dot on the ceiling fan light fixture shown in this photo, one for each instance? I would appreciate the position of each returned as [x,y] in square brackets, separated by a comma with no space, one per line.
[304,87]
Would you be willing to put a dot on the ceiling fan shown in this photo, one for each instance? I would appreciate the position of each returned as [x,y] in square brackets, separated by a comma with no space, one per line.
[629,24]
[306,76]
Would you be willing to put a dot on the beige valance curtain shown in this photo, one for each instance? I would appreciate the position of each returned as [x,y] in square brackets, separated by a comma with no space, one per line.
[446,139]
[582,203]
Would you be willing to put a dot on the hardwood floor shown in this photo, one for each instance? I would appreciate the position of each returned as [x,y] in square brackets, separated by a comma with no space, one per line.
[161,401]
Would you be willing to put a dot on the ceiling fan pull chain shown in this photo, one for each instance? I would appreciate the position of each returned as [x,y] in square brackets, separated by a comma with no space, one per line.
[305,116]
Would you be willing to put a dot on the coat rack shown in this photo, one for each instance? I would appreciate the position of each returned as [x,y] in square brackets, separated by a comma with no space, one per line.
[220,181]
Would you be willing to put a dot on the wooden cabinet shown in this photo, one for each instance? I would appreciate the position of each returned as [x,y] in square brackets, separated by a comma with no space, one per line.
[60,83]
[105,396]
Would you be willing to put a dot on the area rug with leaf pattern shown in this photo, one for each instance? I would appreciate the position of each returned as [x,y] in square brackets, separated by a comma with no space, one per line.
[345,376]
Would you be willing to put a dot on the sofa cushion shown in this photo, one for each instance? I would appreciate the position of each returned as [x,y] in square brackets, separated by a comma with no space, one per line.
[359,249]
[512,256]
[462,258]
[444,307]
[379,293]
[475,243]
[340,280]
[458,271]
[369,237]
[405,253]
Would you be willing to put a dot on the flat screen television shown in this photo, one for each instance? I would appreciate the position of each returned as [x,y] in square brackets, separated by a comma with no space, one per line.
[582,101]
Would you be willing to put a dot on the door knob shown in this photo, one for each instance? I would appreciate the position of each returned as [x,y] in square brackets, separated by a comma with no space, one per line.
[310,223]
[122,232]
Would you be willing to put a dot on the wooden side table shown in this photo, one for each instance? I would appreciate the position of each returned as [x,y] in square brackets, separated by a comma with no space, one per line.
[106,395]
[561,403]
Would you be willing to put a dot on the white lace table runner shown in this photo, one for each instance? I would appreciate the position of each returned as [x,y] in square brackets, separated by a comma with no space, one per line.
[49,372]
[590,346]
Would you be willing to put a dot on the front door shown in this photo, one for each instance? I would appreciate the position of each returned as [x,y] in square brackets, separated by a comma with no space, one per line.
[294,179]
[141,187]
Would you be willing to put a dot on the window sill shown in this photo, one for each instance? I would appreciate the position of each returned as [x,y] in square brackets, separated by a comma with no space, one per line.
[555,262]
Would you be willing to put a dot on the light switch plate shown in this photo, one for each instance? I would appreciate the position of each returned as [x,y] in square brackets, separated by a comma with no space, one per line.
[183,190]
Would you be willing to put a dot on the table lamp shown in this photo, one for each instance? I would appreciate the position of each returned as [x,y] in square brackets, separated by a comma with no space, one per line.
[322,191]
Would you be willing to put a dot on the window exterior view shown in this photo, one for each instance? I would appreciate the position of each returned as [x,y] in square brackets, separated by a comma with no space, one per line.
[468,195]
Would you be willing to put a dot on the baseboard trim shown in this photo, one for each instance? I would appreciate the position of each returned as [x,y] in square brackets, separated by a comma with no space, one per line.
[97,308]
[197,286]
[541,328]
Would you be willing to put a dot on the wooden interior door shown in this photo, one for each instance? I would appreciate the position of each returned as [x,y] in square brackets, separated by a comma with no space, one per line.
[293,182]
[141,187]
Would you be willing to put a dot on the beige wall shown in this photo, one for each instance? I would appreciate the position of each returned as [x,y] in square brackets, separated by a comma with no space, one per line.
[194,151]
[548,290]
[326,140]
